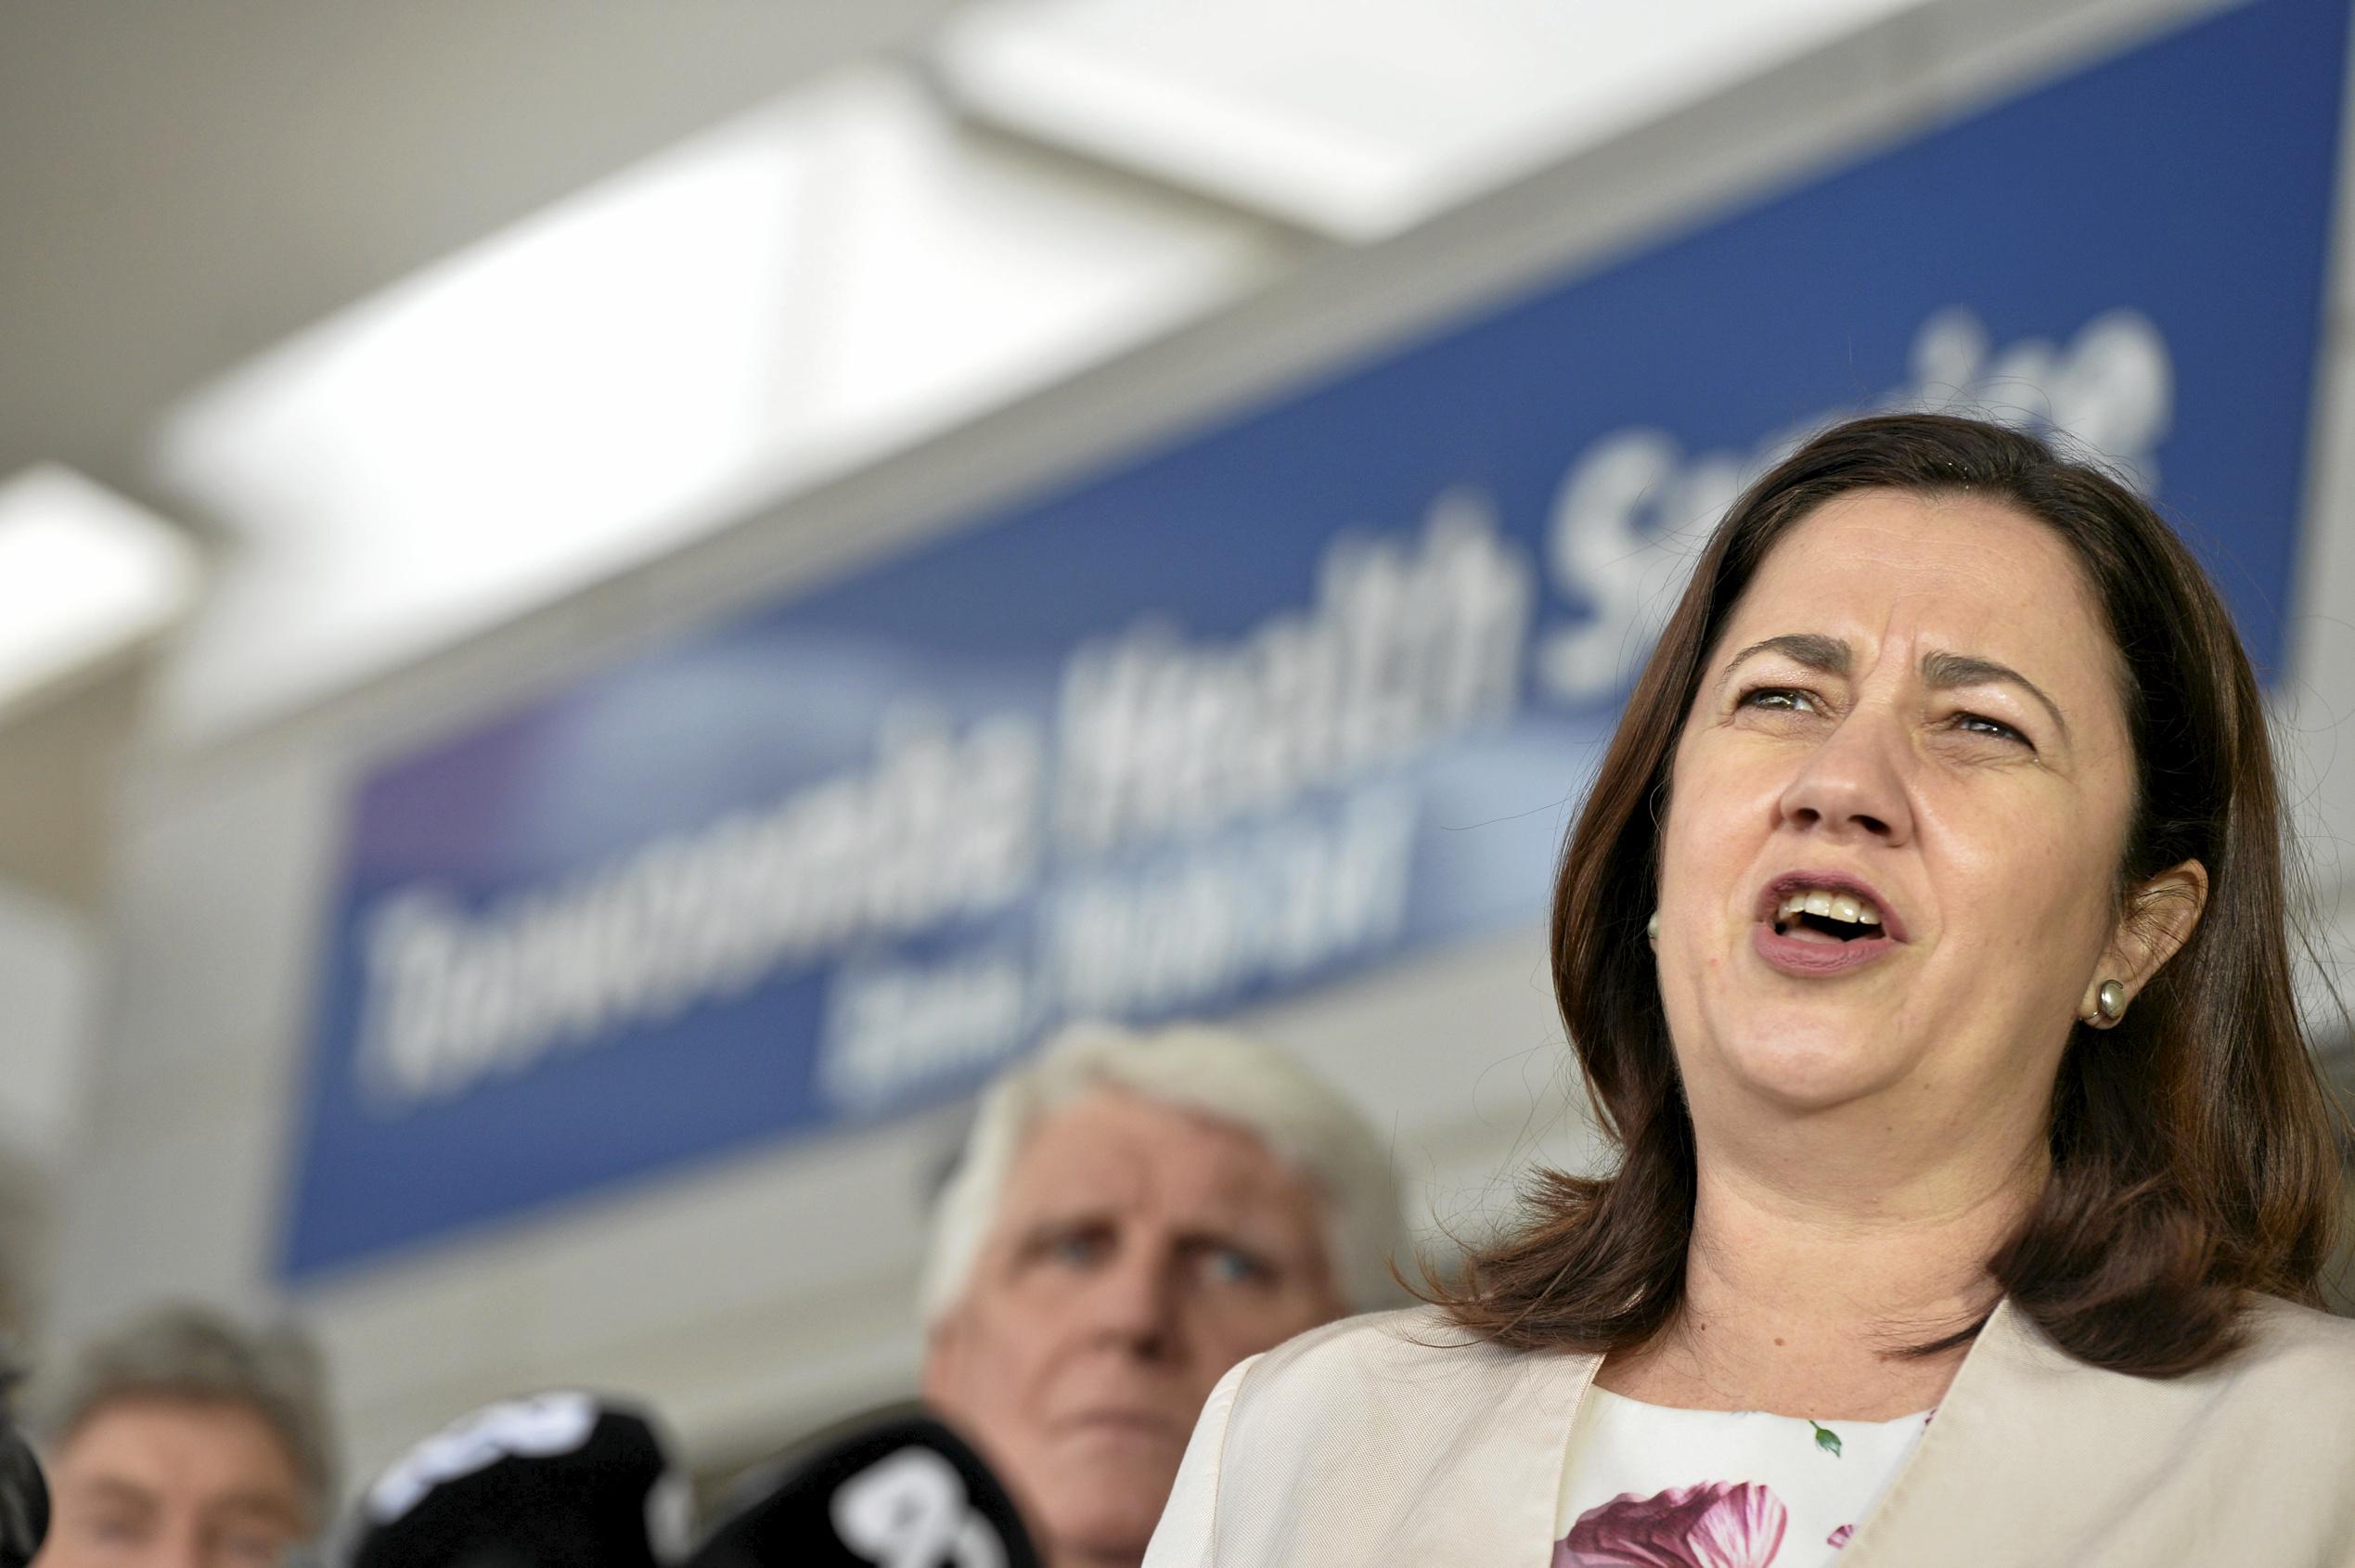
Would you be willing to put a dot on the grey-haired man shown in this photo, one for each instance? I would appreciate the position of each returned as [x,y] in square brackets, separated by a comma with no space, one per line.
[186,1441]
[1134,1214]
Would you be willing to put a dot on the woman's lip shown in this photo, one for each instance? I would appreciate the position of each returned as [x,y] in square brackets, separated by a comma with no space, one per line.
[1815,959]
[1770,897]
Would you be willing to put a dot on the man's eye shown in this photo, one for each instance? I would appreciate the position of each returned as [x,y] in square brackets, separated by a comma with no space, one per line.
[1076,1248]
[1232,1266]
[253,1549]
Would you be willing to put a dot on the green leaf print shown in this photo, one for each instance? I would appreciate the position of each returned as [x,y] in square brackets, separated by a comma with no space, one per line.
[1827,1440]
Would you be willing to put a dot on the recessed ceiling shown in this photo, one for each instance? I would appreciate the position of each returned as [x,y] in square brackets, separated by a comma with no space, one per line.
[185,185]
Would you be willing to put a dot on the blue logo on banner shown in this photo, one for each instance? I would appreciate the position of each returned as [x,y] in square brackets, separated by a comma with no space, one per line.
[1291,697]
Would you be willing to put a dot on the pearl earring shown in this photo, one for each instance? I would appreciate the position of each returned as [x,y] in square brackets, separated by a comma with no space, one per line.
[2111,999]
[1652,926]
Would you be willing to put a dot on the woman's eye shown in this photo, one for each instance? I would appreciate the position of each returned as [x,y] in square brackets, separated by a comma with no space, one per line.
[1777,699]
[1979,723]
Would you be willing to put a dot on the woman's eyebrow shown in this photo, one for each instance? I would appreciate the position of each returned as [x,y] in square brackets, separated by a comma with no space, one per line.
[1811,649]
[1944,671]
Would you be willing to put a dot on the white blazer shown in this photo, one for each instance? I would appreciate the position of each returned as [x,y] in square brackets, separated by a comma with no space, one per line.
[1393,1441]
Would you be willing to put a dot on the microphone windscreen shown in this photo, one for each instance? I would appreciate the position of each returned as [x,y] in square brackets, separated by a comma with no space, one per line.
[894,1491]
[24,1500]
[554,1481]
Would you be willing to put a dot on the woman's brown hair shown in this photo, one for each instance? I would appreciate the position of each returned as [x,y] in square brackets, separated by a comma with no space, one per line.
[2192,1144]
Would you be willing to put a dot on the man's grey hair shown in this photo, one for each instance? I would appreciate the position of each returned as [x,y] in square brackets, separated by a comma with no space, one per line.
[185,1352]
[1215,1072]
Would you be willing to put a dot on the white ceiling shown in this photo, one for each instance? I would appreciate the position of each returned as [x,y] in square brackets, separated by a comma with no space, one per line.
[185,184]
[1359,118]
[787,296]
[361,289]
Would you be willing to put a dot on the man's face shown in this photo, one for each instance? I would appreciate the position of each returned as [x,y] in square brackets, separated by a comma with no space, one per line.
[1140,1252]
[166,1483]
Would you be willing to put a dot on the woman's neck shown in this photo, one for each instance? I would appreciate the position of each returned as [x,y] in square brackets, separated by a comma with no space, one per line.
[1805,1283]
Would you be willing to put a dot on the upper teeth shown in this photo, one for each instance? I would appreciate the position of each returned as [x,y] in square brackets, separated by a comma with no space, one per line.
[1841,907]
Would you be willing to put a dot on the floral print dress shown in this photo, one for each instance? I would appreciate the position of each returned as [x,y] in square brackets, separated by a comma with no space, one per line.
[1648,1486]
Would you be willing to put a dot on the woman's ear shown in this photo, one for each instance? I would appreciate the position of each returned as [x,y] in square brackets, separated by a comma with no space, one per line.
[2159,917]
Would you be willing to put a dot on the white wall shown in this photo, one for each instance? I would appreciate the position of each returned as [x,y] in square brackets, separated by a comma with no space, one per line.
[48,969]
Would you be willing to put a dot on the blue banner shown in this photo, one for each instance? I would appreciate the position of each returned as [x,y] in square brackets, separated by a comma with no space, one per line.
[1291,697]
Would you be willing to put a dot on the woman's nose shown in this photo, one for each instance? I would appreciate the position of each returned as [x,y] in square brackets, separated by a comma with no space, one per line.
[1854,784]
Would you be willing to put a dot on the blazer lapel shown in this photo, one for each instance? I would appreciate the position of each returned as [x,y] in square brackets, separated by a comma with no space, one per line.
[2030,1457]
[1903,1530]
[1484,1474]
[1395,1439]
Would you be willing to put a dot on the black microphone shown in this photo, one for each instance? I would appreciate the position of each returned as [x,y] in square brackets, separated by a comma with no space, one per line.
[898,1490]
[24,1496]
[554,1481]
[24,1500]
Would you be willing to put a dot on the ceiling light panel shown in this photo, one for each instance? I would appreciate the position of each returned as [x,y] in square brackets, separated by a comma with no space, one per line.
[791,294]
[1359,118]
[86,576]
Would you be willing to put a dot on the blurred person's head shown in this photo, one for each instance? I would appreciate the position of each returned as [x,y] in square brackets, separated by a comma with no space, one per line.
[184,1440]
[1135,1214]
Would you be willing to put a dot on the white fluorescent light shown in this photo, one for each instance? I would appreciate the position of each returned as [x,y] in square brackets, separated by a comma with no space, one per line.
[798,291]
[1359,118]
[84,576]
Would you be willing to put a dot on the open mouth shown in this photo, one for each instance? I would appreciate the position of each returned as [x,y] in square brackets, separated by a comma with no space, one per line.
[1835,917]
[1823,923]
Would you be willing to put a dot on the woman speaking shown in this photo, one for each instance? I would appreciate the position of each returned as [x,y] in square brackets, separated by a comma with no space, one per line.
[1923,945]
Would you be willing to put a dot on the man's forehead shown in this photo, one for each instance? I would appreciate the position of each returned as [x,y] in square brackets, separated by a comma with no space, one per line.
[149,1436]
[1108,1144]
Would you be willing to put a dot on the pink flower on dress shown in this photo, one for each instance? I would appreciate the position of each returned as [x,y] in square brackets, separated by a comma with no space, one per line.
[1840,1537]
[1712,1524]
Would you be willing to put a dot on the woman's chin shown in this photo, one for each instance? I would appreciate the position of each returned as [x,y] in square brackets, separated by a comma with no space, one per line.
[1811,1070]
